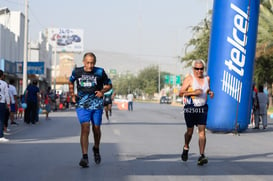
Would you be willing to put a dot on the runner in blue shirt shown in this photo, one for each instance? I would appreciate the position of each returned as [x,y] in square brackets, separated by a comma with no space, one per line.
[92,82]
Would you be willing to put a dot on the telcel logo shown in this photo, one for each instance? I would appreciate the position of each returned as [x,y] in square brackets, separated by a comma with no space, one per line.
[230,84]
[239,41]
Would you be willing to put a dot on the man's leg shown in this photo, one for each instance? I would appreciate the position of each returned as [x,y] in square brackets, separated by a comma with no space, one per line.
[256,118]
[96,122]
[85,130]
[110,109]
[202,138]
[12,112]
[187,137]
[264,120]
[106,112]
[202,144]
[2,118]
[97,135]
[84,117]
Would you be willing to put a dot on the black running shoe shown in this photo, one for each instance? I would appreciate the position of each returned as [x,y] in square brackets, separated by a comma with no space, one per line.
[97,157]
[202,160]
[184,155]
[84,162]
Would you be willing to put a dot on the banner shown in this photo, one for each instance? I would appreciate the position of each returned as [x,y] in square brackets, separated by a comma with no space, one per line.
[231,62]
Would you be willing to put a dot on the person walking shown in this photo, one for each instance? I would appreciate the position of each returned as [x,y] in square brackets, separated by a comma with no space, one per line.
[4,102]
[13,99]
[47,102]
[195,89]
[33,99]
[92,82]
[130,98]
[261,100]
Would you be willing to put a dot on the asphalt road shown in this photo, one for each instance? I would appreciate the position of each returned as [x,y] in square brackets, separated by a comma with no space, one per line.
[141,145]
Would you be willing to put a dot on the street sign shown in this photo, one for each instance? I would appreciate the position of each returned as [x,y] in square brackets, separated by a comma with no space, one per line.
[169,79]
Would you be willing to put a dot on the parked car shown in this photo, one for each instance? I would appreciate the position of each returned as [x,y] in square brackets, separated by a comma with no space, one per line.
[165,100]
[76,38]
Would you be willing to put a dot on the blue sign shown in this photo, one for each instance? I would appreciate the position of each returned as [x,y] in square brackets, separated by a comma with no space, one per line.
[32,67]
[231,62]
[8,66]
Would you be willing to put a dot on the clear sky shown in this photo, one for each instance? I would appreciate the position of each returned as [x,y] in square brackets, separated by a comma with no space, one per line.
[150,29]
[145,27]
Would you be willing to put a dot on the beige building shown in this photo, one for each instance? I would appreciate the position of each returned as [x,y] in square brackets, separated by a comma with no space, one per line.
[63,71]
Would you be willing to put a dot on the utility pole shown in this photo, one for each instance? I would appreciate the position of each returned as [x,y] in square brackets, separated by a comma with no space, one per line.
[159,79]
[55,63]
[25,49]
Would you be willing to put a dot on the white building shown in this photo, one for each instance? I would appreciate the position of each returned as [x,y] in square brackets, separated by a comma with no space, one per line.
[12,31]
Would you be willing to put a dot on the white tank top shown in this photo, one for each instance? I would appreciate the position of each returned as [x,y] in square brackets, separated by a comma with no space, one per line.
[201,99]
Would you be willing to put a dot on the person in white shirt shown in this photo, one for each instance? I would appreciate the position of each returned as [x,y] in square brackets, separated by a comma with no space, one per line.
[130,98]
[4,101]
[13,101]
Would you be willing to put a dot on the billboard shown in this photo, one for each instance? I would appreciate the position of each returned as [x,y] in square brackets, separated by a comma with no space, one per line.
[65,39]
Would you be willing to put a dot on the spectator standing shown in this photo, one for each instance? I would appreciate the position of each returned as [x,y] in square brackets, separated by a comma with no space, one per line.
[4,102]
[130,98]
[261,110]
[32,98]
[13,100]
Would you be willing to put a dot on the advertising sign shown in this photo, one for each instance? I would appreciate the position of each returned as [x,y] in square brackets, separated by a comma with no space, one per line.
[32,67]
[66,40]
[231,62]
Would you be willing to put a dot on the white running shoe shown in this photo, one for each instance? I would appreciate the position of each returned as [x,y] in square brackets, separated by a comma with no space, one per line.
[2,140]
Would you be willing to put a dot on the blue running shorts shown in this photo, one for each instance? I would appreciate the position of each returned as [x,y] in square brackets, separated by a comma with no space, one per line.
[86,115]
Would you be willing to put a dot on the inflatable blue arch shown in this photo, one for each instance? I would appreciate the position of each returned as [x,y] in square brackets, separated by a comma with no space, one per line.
[231,63]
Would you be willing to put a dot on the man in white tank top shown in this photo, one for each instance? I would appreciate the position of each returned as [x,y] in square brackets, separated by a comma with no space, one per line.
[195,89]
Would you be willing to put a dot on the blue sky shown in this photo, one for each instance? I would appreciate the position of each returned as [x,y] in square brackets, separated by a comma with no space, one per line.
[139,27]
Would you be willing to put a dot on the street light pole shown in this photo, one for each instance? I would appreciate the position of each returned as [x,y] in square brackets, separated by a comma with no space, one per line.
[159,79]
[55,60]
[25,48]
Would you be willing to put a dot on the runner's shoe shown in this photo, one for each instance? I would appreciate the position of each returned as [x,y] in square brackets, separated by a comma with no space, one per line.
[202,160]
[84,162]
[184,155]
[97,157]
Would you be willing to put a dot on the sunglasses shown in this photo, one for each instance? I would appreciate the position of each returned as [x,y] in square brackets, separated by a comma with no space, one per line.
[195,68]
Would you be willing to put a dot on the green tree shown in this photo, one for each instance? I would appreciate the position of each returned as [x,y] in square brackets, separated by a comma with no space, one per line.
[265,29]
[264,52]
[148,80]
[199,44]
[264,70]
